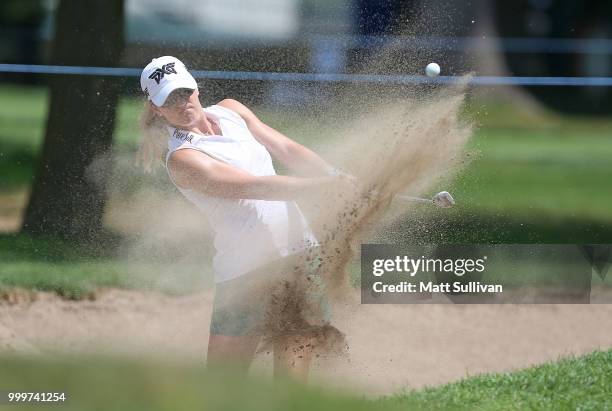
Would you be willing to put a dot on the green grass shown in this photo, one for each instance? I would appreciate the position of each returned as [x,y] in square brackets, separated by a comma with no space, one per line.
[48,264]
[581,383]
[76,271]
[532,163]
[525,172]
[102,383]
[71,280]
[79,279]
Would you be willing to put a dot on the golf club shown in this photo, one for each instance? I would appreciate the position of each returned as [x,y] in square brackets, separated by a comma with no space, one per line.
[442,200]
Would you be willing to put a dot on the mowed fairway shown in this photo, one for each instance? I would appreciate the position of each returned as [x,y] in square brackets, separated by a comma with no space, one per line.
[543,165]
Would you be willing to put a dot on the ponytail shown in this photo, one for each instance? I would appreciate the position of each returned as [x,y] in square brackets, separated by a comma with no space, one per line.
[153,139]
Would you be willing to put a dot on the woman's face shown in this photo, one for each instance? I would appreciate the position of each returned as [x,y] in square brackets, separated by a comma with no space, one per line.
[182,108]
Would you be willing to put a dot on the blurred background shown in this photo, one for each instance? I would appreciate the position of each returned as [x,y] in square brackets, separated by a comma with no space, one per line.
[529,38]
[539,166]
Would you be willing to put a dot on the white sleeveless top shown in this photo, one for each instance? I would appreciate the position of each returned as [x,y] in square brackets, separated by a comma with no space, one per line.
[248,232]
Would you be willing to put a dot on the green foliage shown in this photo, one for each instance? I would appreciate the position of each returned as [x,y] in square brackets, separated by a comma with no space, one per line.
[581,383]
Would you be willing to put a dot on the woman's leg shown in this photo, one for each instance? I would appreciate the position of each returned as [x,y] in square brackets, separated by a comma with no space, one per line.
[232,352]
[232,342]
[292,358]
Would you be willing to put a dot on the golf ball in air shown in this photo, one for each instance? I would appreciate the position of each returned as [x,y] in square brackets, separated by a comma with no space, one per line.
[432,69]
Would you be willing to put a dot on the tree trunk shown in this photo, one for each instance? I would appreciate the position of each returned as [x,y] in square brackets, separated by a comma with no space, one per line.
[68,192]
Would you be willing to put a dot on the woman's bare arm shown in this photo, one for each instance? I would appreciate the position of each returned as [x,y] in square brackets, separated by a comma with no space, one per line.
[299,159]
[195,170]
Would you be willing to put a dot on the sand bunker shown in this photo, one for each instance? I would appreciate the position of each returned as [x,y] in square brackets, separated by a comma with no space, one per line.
[391,346]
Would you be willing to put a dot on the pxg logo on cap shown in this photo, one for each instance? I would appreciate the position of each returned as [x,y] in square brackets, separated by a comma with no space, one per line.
[162,76]
[158,74]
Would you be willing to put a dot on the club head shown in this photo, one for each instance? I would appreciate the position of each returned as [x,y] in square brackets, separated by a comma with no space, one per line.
[443,200]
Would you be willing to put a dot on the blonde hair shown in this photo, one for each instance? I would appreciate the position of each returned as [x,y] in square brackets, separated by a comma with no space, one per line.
[154,137]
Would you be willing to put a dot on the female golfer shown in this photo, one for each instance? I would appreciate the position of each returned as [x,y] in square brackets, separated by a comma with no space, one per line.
[220,158]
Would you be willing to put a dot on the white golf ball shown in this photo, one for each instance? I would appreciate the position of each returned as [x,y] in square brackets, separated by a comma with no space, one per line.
[432,69]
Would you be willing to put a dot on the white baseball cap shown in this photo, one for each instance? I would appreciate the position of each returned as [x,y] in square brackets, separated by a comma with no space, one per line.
[162,76]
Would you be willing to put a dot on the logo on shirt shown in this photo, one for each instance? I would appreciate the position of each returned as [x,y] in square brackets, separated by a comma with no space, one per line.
[159,73]
[182,135]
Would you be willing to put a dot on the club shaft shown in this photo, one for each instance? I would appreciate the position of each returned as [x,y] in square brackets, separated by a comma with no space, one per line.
[413,199]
